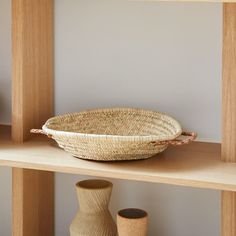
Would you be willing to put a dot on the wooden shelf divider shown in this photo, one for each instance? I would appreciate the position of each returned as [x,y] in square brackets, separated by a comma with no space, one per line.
[32,96]
[228,199]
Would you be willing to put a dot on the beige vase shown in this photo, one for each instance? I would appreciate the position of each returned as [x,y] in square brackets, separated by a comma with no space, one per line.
[93,217]
[132,222]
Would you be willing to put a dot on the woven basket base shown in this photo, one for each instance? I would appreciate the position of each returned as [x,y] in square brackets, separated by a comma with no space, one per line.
[117,157]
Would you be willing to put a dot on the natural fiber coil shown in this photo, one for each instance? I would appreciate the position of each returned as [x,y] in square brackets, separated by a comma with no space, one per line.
[115,133]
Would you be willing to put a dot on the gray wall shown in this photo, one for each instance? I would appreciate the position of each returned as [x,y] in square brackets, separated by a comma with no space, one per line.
[161,56]
[5,111]
[5,61]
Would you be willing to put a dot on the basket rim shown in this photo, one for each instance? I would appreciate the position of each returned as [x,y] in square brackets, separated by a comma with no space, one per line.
[54,132]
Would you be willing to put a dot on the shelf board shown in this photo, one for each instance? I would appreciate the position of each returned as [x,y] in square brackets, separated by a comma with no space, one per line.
[196,165]
[194,1]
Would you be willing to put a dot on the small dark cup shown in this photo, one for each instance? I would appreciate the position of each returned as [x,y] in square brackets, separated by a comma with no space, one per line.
[132,222]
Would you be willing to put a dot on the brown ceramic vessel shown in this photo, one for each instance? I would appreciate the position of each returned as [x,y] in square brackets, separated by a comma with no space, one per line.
[132,222]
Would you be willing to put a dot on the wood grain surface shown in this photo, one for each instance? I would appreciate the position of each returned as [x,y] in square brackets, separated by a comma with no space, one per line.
[32,98]
[228,199]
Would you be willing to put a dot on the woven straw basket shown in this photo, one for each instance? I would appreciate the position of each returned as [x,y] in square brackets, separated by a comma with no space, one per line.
[115,133]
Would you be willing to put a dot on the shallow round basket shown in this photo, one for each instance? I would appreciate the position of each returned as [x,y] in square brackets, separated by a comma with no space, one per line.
[115,134]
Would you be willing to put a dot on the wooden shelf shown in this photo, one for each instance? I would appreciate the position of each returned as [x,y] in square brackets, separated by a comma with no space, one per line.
[194,1]
[195,165]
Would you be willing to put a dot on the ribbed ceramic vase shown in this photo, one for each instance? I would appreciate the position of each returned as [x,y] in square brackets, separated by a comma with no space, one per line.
[93,217]
[132,222]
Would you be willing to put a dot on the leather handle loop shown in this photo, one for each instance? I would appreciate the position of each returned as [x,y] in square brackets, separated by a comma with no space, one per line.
[190,136]
[40,131]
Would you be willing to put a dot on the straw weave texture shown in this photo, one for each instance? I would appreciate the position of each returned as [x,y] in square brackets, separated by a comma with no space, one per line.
[113,134]
[93,217]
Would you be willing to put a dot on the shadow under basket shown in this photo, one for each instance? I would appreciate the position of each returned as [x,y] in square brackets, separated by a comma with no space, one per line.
[115,134]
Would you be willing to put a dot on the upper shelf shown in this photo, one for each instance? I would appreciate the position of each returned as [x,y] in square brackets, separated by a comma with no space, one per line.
[214,1]
[195,165]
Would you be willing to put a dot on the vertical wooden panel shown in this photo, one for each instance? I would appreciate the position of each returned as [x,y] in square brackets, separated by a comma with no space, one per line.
[228,207]
[33,203]
[32,83]
[32,91]
[228,199]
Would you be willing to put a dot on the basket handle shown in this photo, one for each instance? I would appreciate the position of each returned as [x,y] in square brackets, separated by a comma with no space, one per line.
[40,131]
[177,142]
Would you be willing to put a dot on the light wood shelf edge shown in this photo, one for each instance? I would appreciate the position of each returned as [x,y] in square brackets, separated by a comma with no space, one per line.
[195,165]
